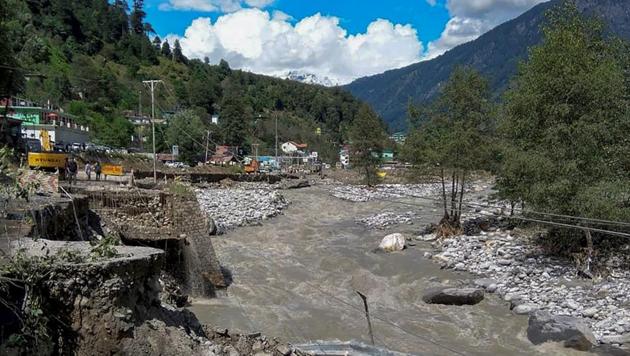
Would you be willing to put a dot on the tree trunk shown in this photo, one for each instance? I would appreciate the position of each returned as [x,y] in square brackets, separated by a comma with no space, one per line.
[444,193]
[461,196]
[452,192]
[589,249]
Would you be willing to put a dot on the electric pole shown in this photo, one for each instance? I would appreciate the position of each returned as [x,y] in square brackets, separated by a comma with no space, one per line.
[140,128]
[207,140]
[275,114]
[152,83]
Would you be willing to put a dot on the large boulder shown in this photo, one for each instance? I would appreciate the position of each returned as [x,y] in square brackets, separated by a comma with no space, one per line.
[544,327]
[393,242]
[454,296]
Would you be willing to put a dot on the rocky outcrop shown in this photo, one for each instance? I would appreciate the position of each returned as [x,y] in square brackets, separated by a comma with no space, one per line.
[454,296]
[574,333]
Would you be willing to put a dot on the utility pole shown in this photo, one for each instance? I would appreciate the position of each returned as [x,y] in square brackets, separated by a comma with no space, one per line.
[275,114]
[207,140]
[152,83]
[140,128]
[367,315]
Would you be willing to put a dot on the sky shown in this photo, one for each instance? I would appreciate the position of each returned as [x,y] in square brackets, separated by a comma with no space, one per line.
[339,39]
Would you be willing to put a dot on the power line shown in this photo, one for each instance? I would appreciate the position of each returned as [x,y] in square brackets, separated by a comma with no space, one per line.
[545,222]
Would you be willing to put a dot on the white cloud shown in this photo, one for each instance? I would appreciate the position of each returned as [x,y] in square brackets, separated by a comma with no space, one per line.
[213,5]
[431,2]
[254,40]
[472,18]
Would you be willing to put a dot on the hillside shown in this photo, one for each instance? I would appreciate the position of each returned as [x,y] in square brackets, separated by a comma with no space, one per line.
[495,54]
[90,57]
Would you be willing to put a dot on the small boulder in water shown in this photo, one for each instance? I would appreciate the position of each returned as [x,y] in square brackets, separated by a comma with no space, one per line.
[393,242]
[454,296]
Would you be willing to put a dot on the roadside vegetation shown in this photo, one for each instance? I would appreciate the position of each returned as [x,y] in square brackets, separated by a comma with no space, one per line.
[90,57]
[557,142]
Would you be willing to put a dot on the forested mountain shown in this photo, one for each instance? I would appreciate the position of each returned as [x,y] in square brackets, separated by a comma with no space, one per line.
[496,55]
[91,56]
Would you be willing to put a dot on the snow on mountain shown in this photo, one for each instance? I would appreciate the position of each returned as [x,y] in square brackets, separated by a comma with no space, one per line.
[310,78]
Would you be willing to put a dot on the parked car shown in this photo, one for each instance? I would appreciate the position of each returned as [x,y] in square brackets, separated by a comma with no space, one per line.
[76,147]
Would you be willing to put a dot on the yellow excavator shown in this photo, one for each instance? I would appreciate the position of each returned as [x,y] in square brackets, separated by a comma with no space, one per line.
[47,159]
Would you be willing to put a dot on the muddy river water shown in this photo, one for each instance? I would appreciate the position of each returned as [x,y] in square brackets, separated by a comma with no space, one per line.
[295,277]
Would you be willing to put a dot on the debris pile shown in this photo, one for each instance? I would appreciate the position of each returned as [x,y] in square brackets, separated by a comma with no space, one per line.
[242,205]
[388,218]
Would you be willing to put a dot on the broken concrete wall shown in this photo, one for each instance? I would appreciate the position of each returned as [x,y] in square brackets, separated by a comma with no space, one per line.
[174,223]
[103,307]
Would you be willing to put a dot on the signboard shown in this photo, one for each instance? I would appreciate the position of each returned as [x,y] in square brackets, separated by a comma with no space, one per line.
[175,151]
[47,160]
[112,170]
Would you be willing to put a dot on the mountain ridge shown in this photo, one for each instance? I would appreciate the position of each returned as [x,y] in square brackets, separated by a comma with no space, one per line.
[495,54]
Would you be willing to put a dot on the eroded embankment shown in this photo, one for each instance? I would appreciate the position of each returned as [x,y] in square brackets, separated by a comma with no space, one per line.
[87,304]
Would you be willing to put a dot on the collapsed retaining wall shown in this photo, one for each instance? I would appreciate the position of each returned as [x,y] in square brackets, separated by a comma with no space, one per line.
[103,307]
[167,221]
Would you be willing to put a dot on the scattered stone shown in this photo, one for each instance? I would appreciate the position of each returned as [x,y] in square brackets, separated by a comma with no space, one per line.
[484,282]
[383,220]
[616,339]
[524,309]
[427,238]
[454,296]
[544,327]
[393,242]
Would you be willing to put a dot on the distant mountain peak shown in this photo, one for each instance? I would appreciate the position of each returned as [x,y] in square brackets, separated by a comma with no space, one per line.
[309,78]
[495,54]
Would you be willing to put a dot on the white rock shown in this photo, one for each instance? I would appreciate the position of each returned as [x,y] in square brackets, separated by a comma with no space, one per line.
[393,242]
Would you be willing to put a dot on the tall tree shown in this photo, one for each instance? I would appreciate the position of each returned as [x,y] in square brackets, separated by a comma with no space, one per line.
[234,116]
[137,17]
[187,131]
[178,55]
[166,50]
[566,122]
[454,140]
[157,43]
[367,138]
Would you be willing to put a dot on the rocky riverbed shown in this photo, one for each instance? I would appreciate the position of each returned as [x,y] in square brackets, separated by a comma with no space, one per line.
[521,274]
[362,193]
[242,204]
[388,218]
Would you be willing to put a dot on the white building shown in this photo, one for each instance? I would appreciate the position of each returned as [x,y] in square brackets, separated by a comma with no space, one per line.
[59,134]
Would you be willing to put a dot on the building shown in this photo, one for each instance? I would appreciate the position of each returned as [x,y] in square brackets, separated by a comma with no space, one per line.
[399,138]
[293,147]
[225,155]
[51,127]
[387,156]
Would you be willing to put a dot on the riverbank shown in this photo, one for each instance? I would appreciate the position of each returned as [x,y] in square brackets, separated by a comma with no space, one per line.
[523,275]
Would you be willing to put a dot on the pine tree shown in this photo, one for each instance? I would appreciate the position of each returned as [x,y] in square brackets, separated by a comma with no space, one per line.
[157,43]
[178,56]
[166,50]
[137,17]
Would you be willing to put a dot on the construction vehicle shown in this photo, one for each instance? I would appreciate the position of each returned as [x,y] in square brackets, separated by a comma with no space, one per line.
[252,167]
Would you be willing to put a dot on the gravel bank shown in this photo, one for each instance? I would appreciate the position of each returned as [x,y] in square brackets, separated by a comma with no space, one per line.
[241,205]
[362,193]
[524,276]
[388,218]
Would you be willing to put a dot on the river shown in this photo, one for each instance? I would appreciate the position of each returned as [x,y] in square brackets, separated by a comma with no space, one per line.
[295,277]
